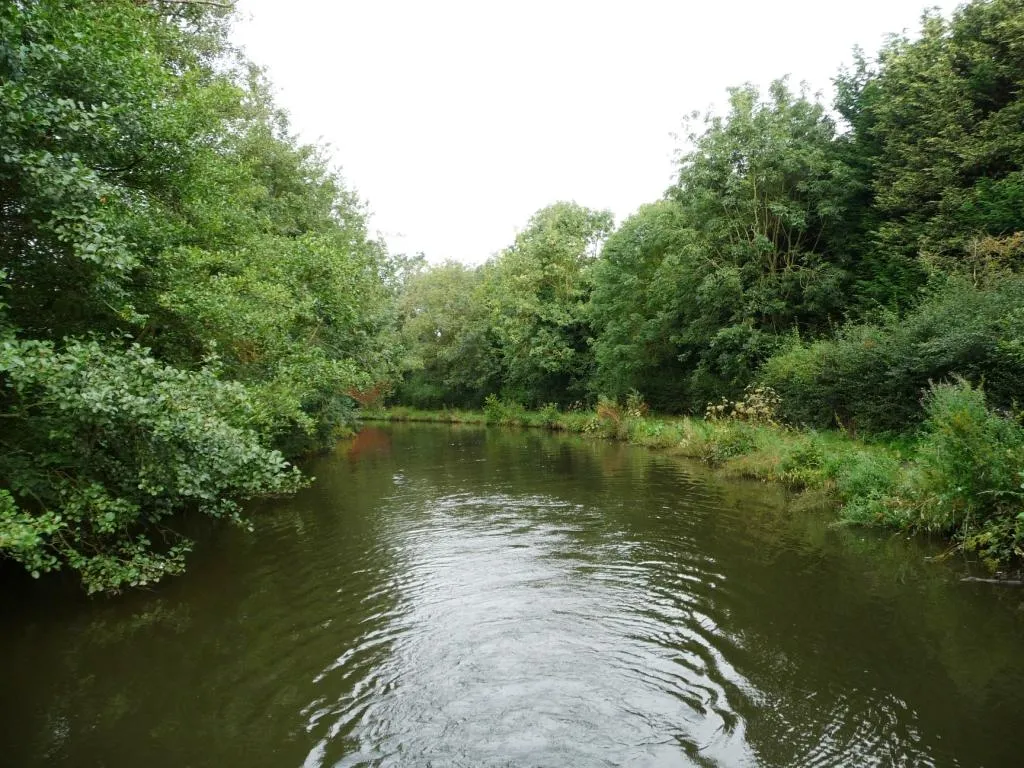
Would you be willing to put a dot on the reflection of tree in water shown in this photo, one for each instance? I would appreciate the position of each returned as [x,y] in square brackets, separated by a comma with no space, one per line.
[370,441]
[856,626]
[837,626]
[844,636]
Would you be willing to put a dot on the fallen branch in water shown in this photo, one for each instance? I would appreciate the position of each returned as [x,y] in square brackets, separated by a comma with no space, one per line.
[1004,582]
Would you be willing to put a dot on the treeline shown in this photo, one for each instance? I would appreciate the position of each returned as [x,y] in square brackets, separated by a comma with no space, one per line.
[863,259]
[846,254]
[187,294]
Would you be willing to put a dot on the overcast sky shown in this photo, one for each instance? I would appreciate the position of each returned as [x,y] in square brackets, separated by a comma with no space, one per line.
[457,120]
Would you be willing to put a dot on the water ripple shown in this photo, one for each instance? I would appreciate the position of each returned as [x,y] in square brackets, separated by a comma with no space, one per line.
[474,598]
[561,645]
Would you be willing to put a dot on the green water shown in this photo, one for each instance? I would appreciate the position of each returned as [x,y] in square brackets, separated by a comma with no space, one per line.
[448,596]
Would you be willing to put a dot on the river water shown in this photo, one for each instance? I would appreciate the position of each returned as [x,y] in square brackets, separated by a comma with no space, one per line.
[447,596]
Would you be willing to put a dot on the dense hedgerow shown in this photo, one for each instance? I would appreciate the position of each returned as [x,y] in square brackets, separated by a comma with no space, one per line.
[873,377]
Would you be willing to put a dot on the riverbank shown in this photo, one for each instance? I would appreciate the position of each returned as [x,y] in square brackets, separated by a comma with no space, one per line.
[800,460]
[958,478]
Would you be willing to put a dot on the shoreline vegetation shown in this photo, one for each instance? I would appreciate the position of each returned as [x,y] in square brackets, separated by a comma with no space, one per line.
[191,297]
[957,478]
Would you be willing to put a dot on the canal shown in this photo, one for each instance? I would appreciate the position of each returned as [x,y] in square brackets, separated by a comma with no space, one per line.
[460,596]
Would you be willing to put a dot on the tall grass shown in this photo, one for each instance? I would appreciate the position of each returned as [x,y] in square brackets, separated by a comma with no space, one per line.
[965,479]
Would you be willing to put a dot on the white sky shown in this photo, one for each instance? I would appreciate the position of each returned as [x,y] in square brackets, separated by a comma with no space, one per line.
[458,120]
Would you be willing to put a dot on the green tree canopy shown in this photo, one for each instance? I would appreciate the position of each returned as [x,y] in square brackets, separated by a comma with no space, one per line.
[937,121]
[185,289]
[542,284]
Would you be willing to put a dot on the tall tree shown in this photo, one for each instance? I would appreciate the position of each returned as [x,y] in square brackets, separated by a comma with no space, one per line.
[937,120]
[542,285]
[453,354]
[637,306]
[185,288]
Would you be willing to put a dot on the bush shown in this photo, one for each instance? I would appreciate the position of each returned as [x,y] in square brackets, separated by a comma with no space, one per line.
[549,415]
[717,443]
[636,408]
[611,420]
[498,411]
[872,377]
[964,480]
[971,471]
[759,405]
[865,476]
[804,462]
[101,445]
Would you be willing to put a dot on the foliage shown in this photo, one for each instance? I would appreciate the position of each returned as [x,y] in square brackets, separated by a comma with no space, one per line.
[759,405]
[185,287]
[541,286]
[111,444]
[966,478]
[279,312]
[765,192]
[871,377]
[549,414]
[636,406]
[634,308]
[693,293]
[972,470]
[452,353]
[187,293]
[856,267]
[937,120]
[516,325]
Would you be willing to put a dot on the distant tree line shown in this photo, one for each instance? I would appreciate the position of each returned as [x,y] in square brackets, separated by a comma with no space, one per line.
[844,254]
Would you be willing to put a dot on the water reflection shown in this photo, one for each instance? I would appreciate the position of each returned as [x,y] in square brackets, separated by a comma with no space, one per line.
[474,597]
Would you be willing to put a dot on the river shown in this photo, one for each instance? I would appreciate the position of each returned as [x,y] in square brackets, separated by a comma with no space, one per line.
[459,596]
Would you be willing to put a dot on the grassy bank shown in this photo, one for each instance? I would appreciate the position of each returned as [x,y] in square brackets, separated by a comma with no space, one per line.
[960,476]
[800,460]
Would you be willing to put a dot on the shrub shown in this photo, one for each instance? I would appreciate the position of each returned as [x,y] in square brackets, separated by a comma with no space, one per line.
[498,411]
[494,409]
[964,480]
[872,377]
[803,464]
[971,470]
[610,418]
[636,408]
[549,414]
[865,475]
[717,443]
[103,445]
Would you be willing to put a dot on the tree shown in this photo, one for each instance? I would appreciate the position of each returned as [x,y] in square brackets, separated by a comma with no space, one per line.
[637,305]
[453,354]
[937,120]
[542,284]
[694,293]
[186,289]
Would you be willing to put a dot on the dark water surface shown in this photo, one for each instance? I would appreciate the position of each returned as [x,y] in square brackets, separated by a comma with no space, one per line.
[451,596]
